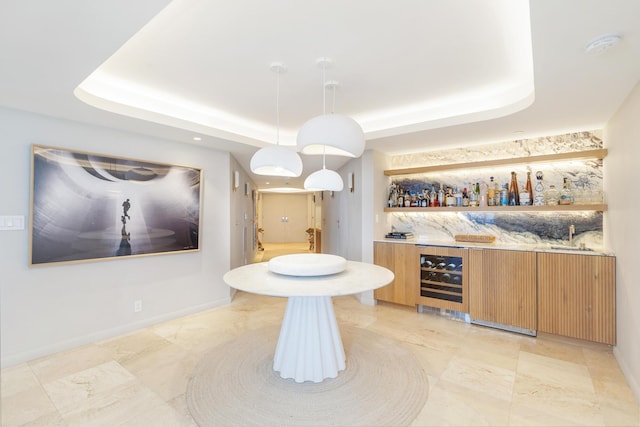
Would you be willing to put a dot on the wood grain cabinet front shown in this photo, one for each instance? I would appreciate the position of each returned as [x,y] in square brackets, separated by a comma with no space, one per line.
[576,296]
[502,289]
[403,261]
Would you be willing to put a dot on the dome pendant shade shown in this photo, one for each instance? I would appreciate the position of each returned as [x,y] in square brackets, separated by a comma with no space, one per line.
[324,179]
[339,135]
[276,161]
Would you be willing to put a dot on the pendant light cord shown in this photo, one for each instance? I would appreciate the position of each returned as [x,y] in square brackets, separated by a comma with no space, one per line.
[278,107]
[324,106]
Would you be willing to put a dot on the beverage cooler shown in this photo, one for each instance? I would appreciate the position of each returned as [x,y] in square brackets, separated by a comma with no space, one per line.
[443,278]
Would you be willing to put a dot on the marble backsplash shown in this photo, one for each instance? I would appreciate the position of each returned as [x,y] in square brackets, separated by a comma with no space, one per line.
[530,228]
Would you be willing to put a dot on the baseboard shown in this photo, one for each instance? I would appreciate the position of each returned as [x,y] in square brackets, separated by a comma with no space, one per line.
[26,356]
[628,374]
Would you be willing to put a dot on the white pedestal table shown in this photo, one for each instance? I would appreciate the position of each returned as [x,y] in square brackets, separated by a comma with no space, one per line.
[309,346]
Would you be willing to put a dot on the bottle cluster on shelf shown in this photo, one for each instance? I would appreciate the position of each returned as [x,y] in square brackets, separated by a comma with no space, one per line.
[493,194]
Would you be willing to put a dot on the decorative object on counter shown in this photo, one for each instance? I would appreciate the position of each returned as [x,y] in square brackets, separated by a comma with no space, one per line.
[475,238]
[307,264]
[538,191]
[399,235]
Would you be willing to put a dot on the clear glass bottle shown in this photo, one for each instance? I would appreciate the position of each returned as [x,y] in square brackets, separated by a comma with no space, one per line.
[491,193]
[458,195]
[473,195]
[441,201]
[484,189]
[538,191]
[566,194]
[450,199]
[552,196]
[504,195]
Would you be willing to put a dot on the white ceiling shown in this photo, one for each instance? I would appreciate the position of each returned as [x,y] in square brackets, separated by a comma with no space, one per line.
[201,68]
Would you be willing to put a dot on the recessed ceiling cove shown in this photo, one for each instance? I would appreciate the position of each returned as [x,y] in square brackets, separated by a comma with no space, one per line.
[401,66]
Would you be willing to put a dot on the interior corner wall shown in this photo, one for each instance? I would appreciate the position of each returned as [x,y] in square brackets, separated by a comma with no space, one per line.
[47,309]
[243,201]
[622,230]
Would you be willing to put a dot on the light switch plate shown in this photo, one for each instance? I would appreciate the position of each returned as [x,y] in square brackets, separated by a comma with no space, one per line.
[11,222]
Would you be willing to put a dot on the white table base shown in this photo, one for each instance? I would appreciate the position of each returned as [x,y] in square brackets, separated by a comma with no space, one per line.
[309,347]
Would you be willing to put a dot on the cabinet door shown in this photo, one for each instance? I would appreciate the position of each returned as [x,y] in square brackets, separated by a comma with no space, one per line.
[400,258]
[576,296]
[502,287]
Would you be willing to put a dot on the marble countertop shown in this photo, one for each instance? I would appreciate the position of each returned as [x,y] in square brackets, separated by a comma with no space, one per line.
[503,246]
[357,277]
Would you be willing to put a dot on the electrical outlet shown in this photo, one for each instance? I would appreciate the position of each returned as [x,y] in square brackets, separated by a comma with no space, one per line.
[137,306]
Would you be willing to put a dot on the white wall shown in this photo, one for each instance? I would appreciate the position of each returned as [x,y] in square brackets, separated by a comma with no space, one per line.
[243,246]
[622,230]
[50,308]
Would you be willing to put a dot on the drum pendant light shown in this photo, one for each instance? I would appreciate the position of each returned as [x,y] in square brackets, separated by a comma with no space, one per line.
[277,160]
[332,134]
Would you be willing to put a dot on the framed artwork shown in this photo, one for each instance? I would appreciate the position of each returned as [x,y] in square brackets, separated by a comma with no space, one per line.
[89,207]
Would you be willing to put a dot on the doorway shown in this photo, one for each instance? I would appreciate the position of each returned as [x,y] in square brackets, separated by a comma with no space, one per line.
[287,224]
[284,218]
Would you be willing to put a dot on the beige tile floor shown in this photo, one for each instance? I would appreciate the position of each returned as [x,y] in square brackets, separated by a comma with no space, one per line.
[477,376]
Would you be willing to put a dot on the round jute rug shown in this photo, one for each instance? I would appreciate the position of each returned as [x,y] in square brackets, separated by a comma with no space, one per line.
[383,385]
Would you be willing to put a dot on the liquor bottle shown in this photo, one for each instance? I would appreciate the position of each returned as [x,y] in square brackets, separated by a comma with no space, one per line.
[465,197]
[552,196]
[458,195]
[425,198]
[491,193]
[440,196]
[484,189]
[538,191]
[528,184]
[566,195]
[450,199]
[504,195]
[400,199]
[527,192]
[407,199]
[475,195]
[514,194]
[433,197]
[496,189]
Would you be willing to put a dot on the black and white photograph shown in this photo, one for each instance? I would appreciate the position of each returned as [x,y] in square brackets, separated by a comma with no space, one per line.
[91,207]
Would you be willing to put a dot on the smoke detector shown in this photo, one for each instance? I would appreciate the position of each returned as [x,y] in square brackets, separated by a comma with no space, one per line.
[602,44]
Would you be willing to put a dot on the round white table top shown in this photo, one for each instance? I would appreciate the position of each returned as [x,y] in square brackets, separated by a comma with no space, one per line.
[356,277]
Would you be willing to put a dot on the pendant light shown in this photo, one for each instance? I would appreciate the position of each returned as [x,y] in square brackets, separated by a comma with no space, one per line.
[324,179]
[277,160]
[332,134]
